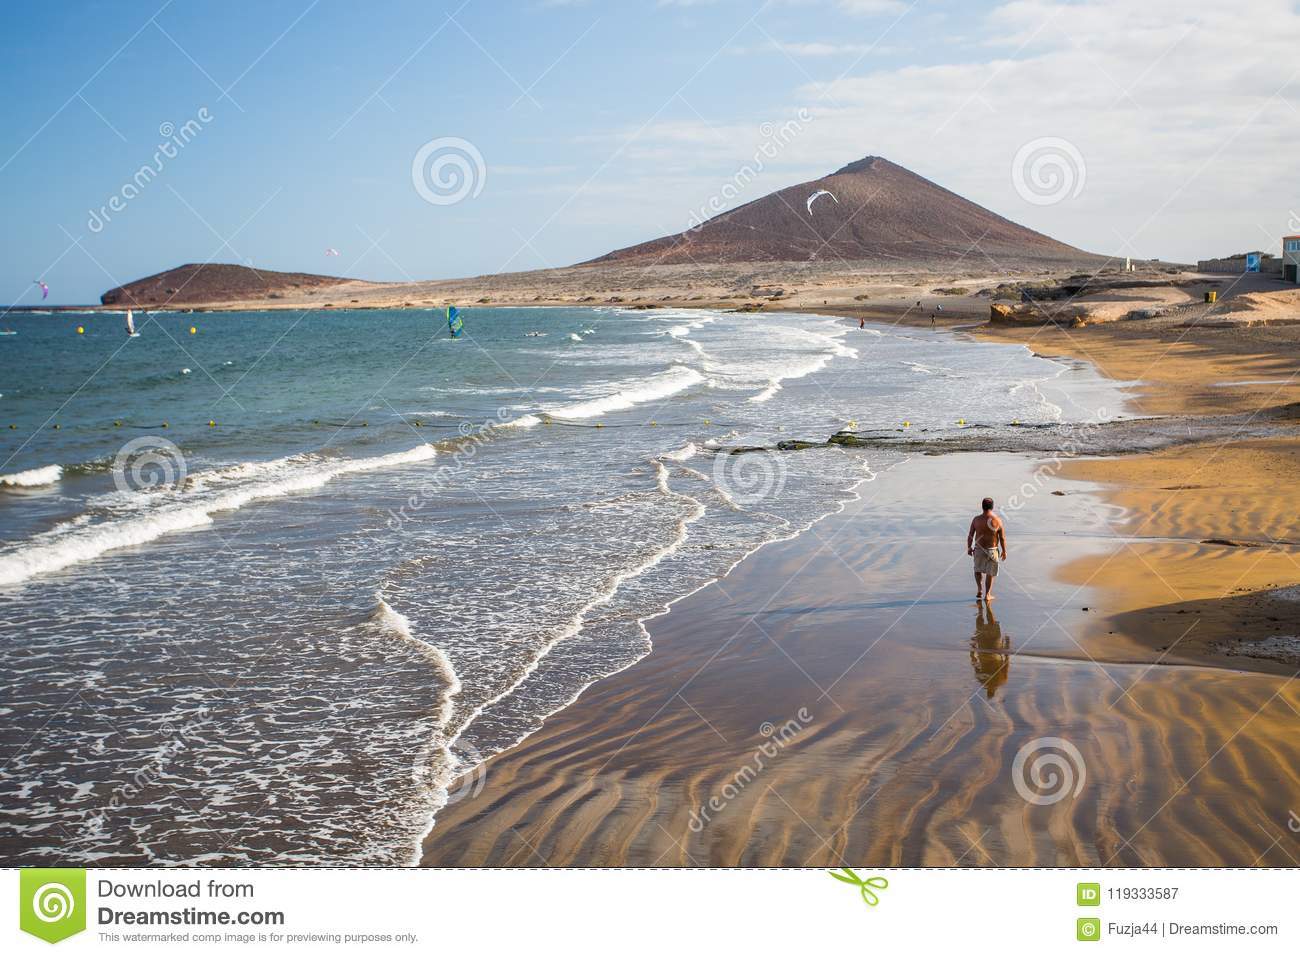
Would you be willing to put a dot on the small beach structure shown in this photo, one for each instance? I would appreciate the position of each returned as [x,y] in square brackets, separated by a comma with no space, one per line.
[1256,261]
[1291,258]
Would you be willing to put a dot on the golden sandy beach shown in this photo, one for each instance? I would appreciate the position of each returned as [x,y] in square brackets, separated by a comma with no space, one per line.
[840,697]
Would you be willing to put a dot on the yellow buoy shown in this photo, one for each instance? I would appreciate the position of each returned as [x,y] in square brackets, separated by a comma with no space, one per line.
[653,422]
[193,330]
[961,421]
[13,426]
[164,425]
[81,330]
[211,423]
[117,424]
[707,422]
[600,425]
[907,425]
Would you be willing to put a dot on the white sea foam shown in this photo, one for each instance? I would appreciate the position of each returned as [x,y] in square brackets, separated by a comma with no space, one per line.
[53,551]
[31,478]
[682,334]
[677,379]
[510,685]
[1054,411]
[523,422]
[923,369]
[778,372]
[395,623]
[681,455]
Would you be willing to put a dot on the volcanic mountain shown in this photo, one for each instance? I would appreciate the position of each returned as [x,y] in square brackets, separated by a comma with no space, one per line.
[878,218]
[878,212]
[199,283]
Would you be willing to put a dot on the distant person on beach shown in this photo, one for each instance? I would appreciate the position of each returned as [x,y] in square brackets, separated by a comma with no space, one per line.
[987,541]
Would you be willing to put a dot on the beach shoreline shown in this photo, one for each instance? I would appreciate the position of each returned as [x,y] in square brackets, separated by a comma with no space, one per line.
[1147,622]
[612,781]
[910,711]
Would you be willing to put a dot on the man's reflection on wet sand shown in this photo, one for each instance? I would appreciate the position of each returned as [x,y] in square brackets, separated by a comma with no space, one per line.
[989,650]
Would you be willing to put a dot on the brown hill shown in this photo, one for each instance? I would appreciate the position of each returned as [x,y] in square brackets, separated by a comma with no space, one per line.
[199,283]
[881,213]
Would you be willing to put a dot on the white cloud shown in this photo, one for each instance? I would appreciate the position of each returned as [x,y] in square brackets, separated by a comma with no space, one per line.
[873,8]
[1185,115]
[815,48]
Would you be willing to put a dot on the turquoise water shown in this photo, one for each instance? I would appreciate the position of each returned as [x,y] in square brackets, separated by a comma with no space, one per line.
[295,634]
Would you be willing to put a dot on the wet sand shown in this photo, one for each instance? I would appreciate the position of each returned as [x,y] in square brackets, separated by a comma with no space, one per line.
[840,697]
[1138,619]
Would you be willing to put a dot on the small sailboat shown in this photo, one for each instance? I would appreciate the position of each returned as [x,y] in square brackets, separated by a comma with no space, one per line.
[130,324]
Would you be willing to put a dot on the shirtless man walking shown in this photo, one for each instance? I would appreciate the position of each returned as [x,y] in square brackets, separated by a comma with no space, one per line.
[987,541]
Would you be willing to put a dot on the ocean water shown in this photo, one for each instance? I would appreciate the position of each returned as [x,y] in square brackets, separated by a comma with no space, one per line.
[293,635]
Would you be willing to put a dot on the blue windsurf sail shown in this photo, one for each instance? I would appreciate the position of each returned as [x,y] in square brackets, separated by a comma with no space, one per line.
[454,322]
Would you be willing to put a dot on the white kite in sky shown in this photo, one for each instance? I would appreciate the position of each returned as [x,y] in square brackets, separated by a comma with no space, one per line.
[820,192]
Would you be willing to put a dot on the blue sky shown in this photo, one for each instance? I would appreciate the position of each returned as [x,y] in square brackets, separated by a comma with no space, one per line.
[604,124]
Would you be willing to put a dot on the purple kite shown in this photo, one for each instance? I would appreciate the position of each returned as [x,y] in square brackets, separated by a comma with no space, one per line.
[45,290]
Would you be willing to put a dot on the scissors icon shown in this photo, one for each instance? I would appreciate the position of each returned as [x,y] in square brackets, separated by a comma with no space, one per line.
[864,886]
